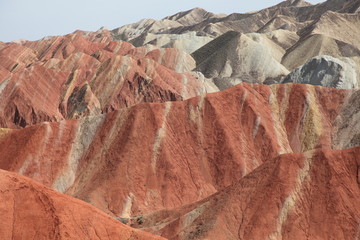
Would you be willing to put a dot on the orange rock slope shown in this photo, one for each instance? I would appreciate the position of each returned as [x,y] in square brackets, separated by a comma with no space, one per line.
[163,155]
[144,138]
[145,163]
[29,210]
[311,195]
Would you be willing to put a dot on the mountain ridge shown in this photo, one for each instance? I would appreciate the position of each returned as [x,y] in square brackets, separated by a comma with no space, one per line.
[195,126]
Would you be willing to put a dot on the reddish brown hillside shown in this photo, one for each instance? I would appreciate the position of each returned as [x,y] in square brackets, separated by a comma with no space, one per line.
[162,155]
[28,210]
[159,125]
[312,195]
[78,75]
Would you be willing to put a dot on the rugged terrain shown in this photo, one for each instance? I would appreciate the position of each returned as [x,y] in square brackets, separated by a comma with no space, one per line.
[32,211]
[196,126]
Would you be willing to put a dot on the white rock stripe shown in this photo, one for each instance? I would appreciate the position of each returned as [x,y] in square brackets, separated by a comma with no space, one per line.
[86,130]
[126,212]
[184,91]
[278,116]
[160,134]
[3,84]
[256,126]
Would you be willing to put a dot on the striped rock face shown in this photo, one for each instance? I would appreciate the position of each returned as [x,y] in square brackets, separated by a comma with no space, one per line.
[164,155]
[310,195]
[140,133]
[76,75]
[30,210]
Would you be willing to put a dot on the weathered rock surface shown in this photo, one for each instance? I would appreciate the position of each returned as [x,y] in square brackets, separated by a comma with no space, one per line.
[326,71]
[233,58]
[88,73]
[294,13]
[284,23]
[300,31]
[133,130]
[333,34]
[164,155]
[187,42]
[174,59]
[73,76]
[29,210]
[311,195]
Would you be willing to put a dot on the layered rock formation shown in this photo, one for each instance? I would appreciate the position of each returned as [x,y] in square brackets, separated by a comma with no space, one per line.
[311,195]
[234,58]
[326,71]
[289,34]
[258,47]
[319,39]
[131,172]
[159,125]
[73,76]
[140,159]
[29,210]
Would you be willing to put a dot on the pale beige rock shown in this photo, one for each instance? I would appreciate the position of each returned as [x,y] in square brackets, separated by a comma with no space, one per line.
[234,57]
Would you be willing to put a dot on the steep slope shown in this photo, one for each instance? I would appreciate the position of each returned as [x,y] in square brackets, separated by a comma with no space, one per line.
[131,31]
[283,38]
[93,74]
[329,28]
[191,17]
[284,23]
[233,58]
[155,156]
[175,59]
[130,127]
[167,25]
[187,42]
[312,195]
[333,34]
[212,25]
[316,11]
[29,210]
[74,75]
[326,71]
[317,45]
[344,27]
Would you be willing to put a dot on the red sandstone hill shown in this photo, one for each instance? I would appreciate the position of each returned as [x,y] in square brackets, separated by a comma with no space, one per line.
[311,195]
[183,177]
[29,210]
[164,155]
[78,75]
[141,135]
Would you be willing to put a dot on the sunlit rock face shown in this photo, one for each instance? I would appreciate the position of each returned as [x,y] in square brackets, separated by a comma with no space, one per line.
[41,212]
[75,76]
[195,126]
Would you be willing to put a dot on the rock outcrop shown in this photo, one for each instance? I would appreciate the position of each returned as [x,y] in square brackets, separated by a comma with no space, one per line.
[312,195]
[234,58]
[73,76]
[139,160]
[326,71]
[180,127]
[300,31]
[29,210]
[188,42]
[88,73]
[325,36]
